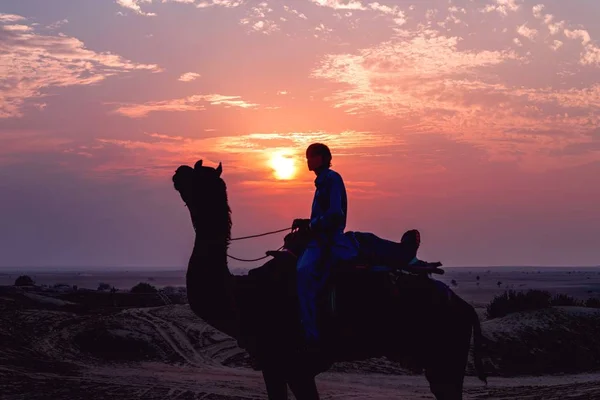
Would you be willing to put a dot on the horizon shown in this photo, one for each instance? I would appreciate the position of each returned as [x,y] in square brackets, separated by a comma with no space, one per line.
[477,123]
[238,269]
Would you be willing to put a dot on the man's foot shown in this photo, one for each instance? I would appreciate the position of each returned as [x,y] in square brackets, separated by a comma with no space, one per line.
[420,266]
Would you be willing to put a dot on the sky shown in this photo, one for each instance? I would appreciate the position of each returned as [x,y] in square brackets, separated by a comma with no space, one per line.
[475,121]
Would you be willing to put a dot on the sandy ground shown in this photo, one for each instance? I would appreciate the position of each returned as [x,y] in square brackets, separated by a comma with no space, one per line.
[200,363]
[155,381]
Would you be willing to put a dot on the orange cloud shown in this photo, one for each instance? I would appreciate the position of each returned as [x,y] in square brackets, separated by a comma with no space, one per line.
[188,77]
[341,4]
[40,62]
[245,155]
[403,76]
[259,21]
[527,32]
[427,85]
[190,103]
[15,146]
[7,18]
[134,5]
[502,6]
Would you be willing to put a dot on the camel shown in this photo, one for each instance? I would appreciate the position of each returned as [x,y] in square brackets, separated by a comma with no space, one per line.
[366,314]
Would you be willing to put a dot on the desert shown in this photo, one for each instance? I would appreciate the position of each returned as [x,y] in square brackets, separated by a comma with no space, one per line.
[61,342]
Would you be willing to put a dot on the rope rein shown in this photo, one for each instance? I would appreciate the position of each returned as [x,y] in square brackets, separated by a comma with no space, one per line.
[251,260]
[255,236]
[260,234]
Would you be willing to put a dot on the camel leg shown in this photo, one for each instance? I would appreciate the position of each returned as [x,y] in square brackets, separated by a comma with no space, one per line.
[304,387]
[446,372]
[276,384]
[448,360]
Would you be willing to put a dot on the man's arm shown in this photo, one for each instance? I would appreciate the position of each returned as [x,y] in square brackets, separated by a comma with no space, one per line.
[335,214]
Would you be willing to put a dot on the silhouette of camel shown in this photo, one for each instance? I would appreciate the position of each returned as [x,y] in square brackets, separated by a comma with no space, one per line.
[366,314]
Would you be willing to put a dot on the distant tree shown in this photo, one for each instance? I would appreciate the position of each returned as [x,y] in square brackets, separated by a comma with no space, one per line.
[512,301]
[24,280]
[499,283]
[103,286]
[593,302]
[453,282]
[566,300]
[143,287]
[75,287]
[477,277]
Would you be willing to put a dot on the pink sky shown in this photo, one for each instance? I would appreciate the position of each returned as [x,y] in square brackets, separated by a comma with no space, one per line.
[476,122]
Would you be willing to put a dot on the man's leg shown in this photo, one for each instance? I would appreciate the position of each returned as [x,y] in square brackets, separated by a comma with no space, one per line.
[307,283]
[380,251]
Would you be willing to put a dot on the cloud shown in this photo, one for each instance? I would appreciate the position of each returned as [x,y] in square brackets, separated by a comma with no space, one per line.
[341,4]
[548,19]
[258,20]
[58,24]
[581,34]
[17,28]
[556,44]
[190,103]
[189,76]
[246,155]
[401,76]
[537,10]
[427,84]
[4,18]
[134,5]
[398,15]
[295,12]
[591,53]
[39,62]
[527,32]
[18,144]
[220,3]
[591,56]
[502,6]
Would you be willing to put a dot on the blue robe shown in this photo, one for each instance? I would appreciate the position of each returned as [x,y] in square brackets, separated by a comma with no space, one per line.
[328,246]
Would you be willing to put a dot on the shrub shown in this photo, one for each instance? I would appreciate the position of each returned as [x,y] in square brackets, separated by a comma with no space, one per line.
[512,301]
[24,280]
[593,302]
[565,300]
[143,287]
[103,286]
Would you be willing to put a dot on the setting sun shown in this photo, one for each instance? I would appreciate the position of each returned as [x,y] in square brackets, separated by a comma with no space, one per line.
[284,166]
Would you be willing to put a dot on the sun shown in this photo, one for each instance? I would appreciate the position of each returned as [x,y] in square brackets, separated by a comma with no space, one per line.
[284,166]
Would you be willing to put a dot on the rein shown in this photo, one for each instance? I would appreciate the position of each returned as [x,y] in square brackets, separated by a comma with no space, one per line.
[255,236]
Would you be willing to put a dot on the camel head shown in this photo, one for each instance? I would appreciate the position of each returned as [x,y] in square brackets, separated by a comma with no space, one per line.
[204,192]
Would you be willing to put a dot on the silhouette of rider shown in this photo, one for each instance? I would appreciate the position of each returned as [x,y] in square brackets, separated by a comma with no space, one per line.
[328,243]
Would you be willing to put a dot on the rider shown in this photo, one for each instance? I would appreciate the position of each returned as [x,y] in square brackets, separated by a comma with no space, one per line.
[328,243]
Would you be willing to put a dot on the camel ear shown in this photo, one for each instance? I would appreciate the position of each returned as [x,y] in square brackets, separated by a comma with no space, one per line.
[198,165]
[219,169]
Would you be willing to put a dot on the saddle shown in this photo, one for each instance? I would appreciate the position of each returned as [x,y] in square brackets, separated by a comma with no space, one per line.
[366,282]
[369,258]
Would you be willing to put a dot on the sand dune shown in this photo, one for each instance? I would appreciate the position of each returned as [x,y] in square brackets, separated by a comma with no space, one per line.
[51,349]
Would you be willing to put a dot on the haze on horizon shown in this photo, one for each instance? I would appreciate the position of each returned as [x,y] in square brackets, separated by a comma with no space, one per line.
[476,122]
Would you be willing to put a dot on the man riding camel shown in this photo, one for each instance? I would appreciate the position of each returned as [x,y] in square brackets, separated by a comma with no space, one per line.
[329,244]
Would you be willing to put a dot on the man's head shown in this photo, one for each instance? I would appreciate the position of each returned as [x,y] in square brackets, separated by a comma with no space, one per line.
[318,156]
